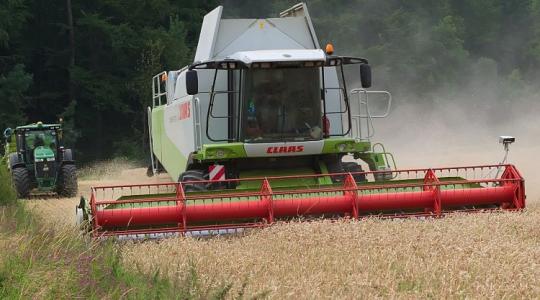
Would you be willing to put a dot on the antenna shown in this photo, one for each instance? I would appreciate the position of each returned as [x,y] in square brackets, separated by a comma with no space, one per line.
[506,140]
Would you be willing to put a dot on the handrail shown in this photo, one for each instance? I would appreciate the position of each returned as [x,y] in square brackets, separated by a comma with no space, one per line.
[197,128]
[363,105]
[151,141]
[417,171]
[157,94]
[366,92]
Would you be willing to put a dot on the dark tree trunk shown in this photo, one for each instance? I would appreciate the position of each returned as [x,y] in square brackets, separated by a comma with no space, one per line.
[71,64]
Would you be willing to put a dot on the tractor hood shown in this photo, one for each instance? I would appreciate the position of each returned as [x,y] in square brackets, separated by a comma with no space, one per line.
[43,153]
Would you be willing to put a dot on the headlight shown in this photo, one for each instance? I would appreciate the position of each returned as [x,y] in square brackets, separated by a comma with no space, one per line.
[341,147]
[39,159]
[220,153]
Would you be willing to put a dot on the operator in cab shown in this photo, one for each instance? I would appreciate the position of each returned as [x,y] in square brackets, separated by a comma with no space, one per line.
[262,119]
[279,107]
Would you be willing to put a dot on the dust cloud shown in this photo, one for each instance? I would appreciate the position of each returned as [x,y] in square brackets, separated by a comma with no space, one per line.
[464,131]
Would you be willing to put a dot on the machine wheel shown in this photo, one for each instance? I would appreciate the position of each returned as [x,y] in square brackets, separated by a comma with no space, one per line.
[194,175]
[14,161]
[66,185]
[354,167]
[22,181]
[334,165]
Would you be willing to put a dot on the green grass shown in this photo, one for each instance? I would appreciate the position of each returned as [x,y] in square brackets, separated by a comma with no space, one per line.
[39,261]
[7,194]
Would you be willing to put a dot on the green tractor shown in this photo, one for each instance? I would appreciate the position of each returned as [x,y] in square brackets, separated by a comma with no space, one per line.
[38,162]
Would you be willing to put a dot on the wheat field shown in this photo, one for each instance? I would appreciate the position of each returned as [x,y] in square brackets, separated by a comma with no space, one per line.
[492,255]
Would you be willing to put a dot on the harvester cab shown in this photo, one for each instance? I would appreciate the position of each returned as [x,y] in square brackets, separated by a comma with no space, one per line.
[38,161]
[262,99]
[283,114]
[265,125]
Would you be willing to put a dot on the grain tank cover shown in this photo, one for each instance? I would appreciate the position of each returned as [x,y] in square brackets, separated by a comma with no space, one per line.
[220,38]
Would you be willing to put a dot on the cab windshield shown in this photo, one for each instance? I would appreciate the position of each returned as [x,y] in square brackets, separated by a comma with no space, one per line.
[282,104]
[36,138]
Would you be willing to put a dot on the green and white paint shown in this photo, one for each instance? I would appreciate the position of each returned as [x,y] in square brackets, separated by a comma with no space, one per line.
[179,133]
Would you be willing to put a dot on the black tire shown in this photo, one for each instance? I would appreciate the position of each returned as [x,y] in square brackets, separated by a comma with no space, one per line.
[14,161]
[22,181]
[334,165]
[66,185]
[353,167]
[194,175]
[67,155]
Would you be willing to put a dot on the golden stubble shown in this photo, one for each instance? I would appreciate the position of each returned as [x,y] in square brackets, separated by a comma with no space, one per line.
[492,255]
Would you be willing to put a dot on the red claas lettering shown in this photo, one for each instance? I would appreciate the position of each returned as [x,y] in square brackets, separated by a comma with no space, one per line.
[284,149]
[185,111]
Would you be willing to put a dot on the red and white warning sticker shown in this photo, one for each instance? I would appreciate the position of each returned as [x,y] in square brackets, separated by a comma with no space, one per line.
[217,172]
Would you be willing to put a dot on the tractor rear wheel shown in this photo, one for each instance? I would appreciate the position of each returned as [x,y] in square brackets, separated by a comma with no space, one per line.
[22,181]
[353,167]
[194,175]
[66,186]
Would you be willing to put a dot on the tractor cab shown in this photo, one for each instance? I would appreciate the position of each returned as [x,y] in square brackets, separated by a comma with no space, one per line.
[38,142]
[277,96]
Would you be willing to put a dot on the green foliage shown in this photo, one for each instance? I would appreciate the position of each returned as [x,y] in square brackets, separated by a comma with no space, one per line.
[70,131]
[118,53]
[13,85]
[13,14]
[534,44]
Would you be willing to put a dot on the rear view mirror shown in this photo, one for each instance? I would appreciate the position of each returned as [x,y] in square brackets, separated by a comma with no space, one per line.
[365,75]
[8,132]
[192,82]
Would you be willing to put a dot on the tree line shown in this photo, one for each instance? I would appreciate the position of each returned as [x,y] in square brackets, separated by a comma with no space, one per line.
[91,62]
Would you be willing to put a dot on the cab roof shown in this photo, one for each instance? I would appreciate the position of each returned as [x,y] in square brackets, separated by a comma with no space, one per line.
[38,126]
[285,55]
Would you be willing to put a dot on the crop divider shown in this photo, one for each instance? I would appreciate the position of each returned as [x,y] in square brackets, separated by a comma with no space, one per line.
[267,197]
[181,203]
[350,190]
[431,178]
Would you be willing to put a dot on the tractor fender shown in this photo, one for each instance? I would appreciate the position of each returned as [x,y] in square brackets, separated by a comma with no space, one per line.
[14,161]
[67,157]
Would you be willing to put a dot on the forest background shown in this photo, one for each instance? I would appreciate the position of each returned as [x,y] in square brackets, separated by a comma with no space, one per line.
[91,62]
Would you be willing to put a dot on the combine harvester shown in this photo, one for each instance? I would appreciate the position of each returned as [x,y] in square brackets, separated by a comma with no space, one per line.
[266,126]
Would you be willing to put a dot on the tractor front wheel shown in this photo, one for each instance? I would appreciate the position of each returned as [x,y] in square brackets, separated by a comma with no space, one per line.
[22,181]
[353,167]
[193,176]
[66,186]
